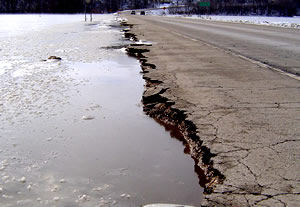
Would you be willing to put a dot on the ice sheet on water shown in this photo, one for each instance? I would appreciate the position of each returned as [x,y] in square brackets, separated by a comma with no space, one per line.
[11,25]
[35,88]
[44,136]
[31,86]
[4,66]
[21,72]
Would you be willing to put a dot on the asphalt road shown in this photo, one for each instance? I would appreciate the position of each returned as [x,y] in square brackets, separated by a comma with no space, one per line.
[274,46]
[245,114]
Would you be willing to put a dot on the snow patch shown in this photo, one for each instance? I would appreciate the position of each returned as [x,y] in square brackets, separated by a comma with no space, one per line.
[288,22]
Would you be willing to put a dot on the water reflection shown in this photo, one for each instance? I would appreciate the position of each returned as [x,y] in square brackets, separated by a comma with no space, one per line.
[120,157]
[176,134]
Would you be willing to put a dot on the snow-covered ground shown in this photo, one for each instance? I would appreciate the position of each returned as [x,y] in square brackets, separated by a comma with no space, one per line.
[291,22]
[288,22]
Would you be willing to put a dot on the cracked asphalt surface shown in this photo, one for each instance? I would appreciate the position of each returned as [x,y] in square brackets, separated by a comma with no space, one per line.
[247,114]
[274,46]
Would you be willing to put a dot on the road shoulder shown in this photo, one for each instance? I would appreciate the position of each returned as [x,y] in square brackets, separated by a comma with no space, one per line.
[244,118]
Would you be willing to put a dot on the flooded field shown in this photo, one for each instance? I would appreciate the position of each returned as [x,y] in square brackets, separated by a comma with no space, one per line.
[72,131]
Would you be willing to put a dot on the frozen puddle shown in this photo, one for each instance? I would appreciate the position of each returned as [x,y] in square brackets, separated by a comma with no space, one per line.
[73,132]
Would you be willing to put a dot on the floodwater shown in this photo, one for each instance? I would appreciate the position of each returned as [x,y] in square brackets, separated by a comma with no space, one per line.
[72,131]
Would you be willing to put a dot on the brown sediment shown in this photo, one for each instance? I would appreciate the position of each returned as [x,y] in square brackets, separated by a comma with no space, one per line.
[157,106]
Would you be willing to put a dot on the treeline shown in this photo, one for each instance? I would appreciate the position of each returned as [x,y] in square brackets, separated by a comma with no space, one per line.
[69,6]
[232,7]
[41,6]
[244,7]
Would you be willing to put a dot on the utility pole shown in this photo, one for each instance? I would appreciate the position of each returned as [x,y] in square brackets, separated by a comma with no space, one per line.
[85,11]
[91,15]
[85,5]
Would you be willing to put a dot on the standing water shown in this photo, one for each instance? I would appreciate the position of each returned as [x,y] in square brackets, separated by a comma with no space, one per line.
[72,131]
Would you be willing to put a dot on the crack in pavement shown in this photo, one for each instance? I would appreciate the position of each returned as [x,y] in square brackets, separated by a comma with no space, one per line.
[244,115]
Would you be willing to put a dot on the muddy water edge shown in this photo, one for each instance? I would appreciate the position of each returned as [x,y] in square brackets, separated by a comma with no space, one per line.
[164,111]
[73,131]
